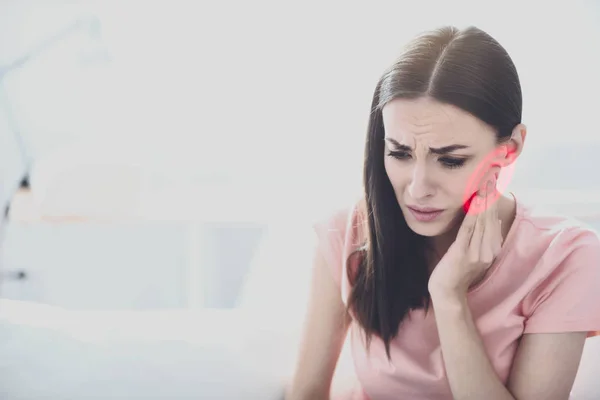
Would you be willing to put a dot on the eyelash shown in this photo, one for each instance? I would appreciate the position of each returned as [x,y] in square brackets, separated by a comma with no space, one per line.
[447,162]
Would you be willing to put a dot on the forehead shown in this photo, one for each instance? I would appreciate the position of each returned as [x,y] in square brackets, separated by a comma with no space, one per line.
[437,123]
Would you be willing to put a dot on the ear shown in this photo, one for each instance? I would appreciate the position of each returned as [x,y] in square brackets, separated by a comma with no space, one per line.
[512,148]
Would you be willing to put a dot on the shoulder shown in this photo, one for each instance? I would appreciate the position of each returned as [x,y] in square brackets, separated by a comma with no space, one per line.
[547,249]
[340,233]
[557,260]
[345,222]
[553,233]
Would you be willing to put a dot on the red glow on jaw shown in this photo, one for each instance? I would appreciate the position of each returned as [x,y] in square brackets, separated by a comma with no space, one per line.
[476,179]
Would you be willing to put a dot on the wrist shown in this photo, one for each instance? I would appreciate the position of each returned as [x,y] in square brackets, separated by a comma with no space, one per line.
[448,296]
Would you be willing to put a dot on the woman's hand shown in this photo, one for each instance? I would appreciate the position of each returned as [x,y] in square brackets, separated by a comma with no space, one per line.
[476,246]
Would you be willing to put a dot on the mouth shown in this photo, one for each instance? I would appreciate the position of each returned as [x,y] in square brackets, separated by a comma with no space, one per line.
[425,214]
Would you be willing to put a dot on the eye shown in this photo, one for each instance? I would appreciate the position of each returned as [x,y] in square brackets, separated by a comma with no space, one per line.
[399,155]
[451,162]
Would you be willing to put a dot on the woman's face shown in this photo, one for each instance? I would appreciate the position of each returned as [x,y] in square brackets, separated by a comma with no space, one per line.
[436,156]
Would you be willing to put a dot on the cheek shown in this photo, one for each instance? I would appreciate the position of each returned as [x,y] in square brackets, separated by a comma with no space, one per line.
[396,174]
[452,186]
[464,184]
[457,182]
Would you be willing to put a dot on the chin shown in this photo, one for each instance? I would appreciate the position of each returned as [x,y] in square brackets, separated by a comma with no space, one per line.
[441,225]
[428,229]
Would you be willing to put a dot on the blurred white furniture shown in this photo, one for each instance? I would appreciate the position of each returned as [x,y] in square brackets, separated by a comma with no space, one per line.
[100,230]
[128,263]
[85,265]
[246,353]
[55,354]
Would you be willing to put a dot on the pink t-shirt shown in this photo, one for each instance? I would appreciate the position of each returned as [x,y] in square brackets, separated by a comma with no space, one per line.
[546,279]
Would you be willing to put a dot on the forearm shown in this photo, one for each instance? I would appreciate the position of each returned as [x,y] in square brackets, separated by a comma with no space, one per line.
[293,392]
[469,370]
[306,396]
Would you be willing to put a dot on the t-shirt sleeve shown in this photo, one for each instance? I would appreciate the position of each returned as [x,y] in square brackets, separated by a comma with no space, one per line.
[339,237]
[568,299]
[331,233]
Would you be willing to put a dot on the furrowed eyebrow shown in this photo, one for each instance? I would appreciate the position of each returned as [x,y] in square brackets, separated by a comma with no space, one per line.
[434,150]
[447,149]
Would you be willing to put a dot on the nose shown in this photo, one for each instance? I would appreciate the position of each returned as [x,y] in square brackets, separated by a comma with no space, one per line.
[421,185]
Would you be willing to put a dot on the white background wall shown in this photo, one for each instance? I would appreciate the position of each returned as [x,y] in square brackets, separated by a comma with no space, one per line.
[274,95]
[279,92]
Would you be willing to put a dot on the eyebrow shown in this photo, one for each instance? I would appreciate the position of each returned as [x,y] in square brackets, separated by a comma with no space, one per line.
[434,150]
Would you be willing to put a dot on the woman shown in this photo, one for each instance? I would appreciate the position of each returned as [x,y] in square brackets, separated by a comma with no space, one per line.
[450,289]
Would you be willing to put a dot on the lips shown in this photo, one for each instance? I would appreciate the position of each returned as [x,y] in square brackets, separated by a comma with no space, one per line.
[424,209]
[425,214]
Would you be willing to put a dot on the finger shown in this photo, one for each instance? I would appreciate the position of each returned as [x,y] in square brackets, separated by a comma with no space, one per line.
[499,239]
[474,248]
[490,233]
[495,221]
[467,226]
[495,224]
[478,210]
[487,187]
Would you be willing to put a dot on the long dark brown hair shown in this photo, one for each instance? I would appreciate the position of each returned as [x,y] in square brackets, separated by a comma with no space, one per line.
[465,68]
